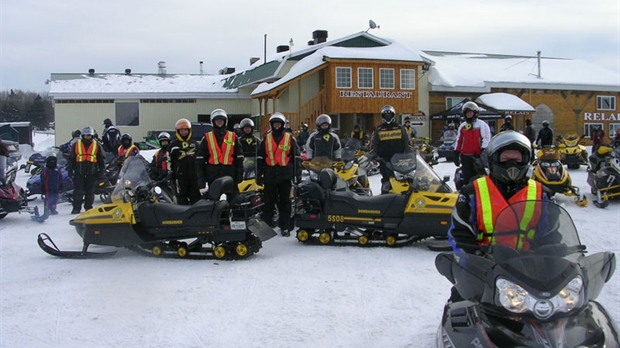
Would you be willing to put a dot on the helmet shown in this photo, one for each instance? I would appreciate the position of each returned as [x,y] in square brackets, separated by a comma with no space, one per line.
[545,123]
[51,161]
[76,133]
[126,136]
[304,126]
[407,119]
[107,122]
[388,114]
[510,172]
[183,123]
[277,117]
[237,126]
[357,126]
[451,126]
[88,130]
[246,122]
[219,113]
[470,105]
[163,136]
[323,118]
[508,118]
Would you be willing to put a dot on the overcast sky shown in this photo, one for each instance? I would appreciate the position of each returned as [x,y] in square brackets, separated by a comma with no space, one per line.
[40,37]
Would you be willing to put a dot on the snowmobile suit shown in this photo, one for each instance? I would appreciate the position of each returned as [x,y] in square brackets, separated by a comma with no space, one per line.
[249,143]
[182,170]
[324,144]
[86,161]
[51,185]
[111,138]
[387,140]
[160,163]
[545,137]
[219,154]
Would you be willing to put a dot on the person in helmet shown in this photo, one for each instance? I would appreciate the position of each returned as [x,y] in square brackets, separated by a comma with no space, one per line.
[75,136]
[472,139]
[323,142]
[237,129]
[509,156]
[303,136]
[111,136]
[219,153]
[85,163]
[159,162]
[388,139]
[278,163]
[249,142]
[529,130]
[359,134]
[545,135]
[126,149]
[51,186]
[287,126]
[507,124]
[182,176]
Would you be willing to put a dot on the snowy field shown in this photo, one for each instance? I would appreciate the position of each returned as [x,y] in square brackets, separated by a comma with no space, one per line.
[287,295]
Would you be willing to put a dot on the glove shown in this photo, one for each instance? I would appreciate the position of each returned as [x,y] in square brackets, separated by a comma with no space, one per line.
[457,158]
[363,162]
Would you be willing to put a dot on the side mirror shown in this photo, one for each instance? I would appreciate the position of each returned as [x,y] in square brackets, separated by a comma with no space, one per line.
[446,178]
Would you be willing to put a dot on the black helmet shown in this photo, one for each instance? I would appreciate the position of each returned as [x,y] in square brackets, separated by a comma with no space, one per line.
[510,172]
[277,117]
[51,161]
[219,114]
[470,105]
[323,118]
[126,136]
[246,122]
[76,133]
[107,122]
[388,114]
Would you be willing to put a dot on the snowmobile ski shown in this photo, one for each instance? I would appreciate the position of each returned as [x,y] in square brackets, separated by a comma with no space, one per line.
[47,244]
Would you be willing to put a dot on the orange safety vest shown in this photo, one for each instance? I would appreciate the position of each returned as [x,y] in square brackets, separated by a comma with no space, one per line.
[86,155]
[224,154]
[278,154]
[490,203]
[161,162]
[126,151]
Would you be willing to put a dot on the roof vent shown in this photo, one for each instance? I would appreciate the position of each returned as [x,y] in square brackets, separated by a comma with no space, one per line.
[91,71]
[227,71]
[162,67]
[254,60]
[319,36]
[311,42]
[282,48]
[127,71]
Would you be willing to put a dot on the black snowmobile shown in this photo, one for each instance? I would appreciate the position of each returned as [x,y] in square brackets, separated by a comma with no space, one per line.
[604,175]
[327,215]
[542,295]
[137,220]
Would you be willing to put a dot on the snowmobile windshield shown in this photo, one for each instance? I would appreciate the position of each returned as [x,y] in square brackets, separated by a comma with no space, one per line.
[132,175]
[317,164]
[350,150]
[449,136]
[249,168]
[534,227]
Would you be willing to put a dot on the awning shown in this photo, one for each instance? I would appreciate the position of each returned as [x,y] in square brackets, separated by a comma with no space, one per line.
[492,106]
[454,113]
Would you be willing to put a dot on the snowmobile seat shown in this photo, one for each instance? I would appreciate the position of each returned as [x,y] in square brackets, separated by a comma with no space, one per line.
[313,194]
[351,204]
[223,185]
[201,213]
[328,179]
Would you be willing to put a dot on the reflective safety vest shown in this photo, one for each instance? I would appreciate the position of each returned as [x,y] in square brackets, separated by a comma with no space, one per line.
[490,202]
[278,154]
[161,159]
[224,154]
[127,151]
[83,154]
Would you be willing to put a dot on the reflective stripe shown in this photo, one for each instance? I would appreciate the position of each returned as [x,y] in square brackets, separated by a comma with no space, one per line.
[126,151]
[86,155]
[221,155]
[278,154]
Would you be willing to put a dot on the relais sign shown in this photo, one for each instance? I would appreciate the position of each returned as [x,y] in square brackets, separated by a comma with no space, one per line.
[375,94]
[600,116]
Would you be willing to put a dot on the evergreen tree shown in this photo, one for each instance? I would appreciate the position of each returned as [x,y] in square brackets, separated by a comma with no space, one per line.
[37,114]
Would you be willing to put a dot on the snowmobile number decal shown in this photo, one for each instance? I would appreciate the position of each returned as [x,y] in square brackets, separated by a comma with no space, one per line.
[335,218]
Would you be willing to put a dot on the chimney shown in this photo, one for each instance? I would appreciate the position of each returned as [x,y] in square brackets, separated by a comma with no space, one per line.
[201,71]
[162,67]
[311,42]
[254,60]
[227,71]
[319,36]
[538,55]
[127,71]
[91,71]
[282,48]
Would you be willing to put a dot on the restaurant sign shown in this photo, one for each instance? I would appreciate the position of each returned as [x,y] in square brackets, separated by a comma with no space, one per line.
[600,116]
[375,94]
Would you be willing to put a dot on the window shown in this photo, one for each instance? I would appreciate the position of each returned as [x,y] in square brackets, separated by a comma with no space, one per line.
[343,77]
[407,79]
[361,122]
[605,102]
[451,101]
[335,121]
[613,128]
[365,78]
[588,128]
[128,114]
[386,78]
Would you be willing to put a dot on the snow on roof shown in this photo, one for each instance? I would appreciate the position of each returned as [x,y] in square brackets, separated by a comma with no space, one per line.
[394,52]
[141,84]
[504,102]
[485,71]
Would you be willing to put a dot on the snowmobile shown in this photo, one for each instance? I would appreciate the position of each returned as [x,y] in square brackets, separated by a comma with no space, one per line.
[427,151]
[354,148]
[446,149]
[329,216]
[549,171]
[210,228]
[574,153]
[540,295]
[604,175]
[13,198]
[349,175]
[249,176]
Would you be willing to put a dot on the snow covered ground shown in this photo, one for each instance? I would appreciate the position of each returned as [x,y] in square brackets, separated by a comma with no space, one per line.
[287,295]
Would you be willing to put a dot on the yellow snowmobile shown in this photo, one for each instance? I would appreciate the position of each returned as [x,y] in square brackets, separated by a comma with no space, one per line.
[549,170]
[573,152]
[351,176]
[329,216]
[604,175]
[137,220]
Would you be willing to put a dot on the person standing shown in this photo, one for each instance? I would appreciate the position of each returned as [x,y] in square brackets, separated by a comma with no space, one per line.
[182,164]
[597,137]
[323,142]
[219,153]
[303,136]
[279,162]
[249,143]
[86,161]
[507,124]
[409,129]
[51,186]
[545,135]
[529,131]
[160,157]
[472,139]
[111,136]
[359,134]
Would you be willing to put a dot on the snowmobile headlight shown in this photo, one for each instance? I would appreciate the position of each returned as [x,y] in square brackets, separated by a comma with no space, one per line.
[518,300]
[348,165]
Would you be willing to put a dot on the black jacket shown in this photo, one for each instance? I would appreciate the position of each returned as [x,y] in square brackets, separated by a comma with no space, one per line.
[249,144]
[182,160]
[388,139]
[545,137]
